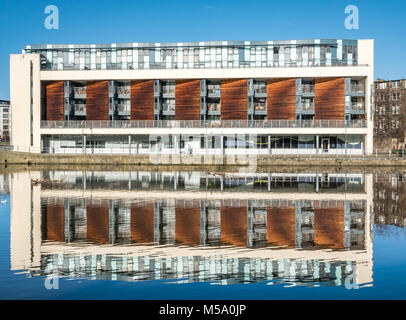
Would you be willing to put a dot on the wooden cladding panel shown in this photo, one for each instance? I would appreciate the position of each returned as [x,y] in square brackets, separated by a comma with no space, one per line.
[142,222]
[234,225]
[234,99]
[142,100]
[281,95]
[281,226]
[98,222]
[97,100]
[55,222]
[187,100]
[187,223]
[329,227]
[329,99]
[54,101]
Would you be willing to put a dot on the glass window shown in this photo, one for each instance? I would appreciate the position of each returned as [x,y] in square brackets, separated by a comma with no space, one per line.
[286,142]
[395,96]
[294,142]
[395,84]
[333,142]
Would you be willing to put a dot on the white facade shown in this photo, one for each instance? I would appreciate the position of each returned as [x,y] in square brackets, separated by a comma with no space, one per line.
[26,76]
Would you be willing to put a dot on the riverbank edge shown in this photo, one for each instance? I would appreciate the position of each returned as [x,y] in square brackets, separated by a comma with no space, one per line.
[195,161]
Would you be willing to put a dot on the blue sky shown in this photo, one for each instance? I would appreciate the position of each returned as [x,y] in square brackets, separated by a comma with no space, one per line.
[114,21]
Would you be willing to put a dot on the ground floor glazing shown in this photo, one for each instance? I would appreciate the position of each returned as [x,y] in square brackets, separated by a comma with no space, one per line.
[203,144]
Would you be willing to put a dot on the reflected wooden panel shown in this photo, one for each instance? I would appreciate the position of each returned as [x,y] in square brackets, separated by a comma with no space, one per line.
[54,101]
[234,99]
[281,226]
[234,225]
[98,222]
[142,222]
[281,99]
[187,100]
[97,100]
[187,223]
[55,222]
[142,100]
[329,226]
[329,99]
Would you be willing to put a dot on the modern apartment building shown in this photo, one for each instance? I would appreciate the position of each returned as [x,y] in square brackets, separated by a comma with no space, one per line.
[221,97]
[4,121]
[390,114]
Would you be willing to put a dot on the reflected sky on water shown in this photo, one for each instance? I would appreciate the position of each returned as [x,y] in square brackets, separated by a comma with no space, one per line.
[199,235]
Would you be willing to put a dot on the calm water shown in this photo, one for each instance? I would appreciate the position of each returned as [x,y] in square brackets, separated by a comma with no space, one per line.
[199,235]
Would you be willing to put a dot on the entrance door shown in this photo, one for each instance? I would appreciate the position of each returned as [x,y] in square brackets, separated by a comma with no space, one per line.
[325,142]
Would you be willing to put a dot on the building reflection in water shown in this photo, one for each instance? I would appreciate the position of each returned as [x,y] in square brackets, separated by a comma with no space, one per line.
[300,228]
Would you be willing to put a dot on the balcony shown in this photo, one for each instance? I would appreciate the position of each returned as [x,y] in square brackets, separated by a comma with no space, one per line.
[123,92]
[357,108]
[168,91]
[307,89]
[260,108]
[260,90]
[123,110]
[357,89]
[207,65]
[214,108]
[79,92]
[307,107]
[168,109]
[79,109]
[269,124]
[214,91]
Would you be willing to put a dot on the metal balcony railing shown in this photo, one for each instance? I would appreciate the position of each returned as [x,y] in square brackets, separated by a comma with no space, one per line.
[357,106]
[168,89]
[119,124]
[260,107]
[123,109]
[168,107]
[123,91]
[79,108]
[79,91]
[276,63]
[307,88]
[214,107]
[357,88]
[307,106]
[213,89]
[260,88]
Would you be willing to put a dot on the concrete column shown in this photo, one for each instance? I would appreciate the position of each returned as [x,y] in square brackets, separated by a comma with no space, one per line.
[157,234]
[347,225]
[203,223]
[345,145]
[112,223]
[269,144]
[222,182]
[129,144]
[222,144]
[317,182]
[269,181]
[298,224]
[250,226]
[129,181]
[317,144]
[84,144]
[68,235]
